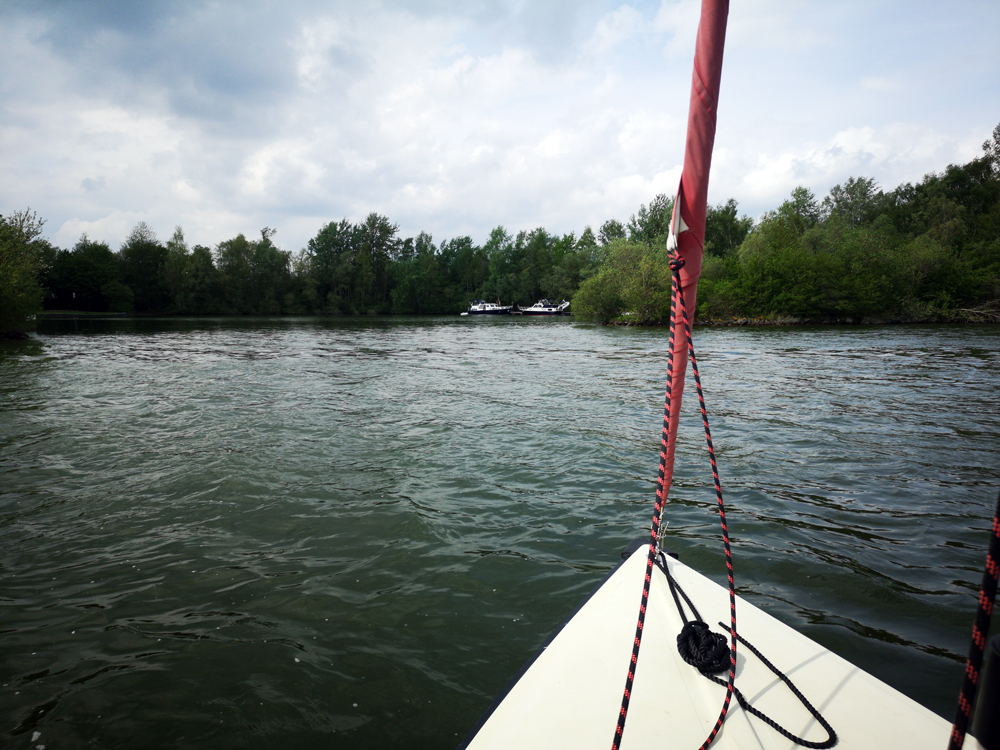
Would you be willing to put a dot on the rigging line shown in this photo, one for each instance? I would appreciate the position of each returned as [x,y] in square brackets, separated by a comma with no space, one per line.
[675,267]
[678,294]
[980,630]
[654,530]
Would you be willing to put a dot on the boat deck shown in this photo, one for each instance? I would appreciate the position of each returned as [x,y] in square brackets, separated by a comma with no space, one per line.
[571,693]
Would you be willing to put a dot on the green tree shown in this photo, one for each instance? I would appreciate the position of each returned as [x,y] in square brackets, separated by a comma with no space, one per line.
[774,273]
[468,269]
[633,285]
[599,299]
[535,251]
[301,295]
[856,202]
[801,210]
[934,278]
[205,288]
[651,224]
[271,274]
[378,246]
[332,264]
[78,276]
[144,260]
[991,150]
[572,261]
[502,254]
[610,231]
[254,275]
[420,283]
[22,262]
[925,251]
[587,241]
[177,273]
[724,230]
[234,259]
[118,297]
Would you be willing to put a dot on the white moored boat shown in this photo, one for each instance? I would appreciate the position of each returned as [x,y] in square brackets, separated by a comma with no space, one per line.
[612,675]
[545,307]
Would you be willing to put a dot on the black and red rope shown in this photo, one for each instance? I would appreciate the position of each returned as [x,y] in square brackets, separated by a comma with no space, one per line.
[980,630]
[661,492]
[654,536]
[675,267]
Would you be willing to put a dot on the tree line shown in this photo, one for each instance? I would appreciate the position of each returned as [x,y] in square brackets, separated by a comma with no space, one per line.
[346,268]
[928,251]
[925,251]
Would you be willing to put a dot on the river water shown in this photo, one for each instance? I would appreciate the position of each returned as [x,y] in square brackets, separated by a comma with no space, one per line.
[352,532]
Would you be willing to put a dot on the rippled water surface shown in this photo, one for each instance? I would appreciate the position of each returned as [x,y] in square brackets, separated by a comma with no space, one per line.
[351,533]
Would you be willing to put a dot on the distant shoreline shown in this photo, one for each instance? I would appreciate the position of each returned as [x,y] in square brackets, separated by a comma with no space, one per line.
[72,314]
[744,322]
[970,317]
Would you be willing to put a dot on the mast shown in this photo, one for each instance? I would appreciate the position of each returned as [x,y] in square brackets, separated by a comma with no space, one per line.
[687,225]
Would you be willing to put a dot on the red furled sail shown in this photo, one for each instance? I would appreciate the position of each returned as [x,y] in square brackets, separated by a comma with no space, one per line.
[687,226]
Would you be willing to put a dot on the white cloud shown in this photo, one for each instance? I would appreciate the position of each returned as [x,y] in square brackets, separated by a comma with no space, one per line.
[888,153]
[675,19]
[455,118]
[115,224]
[615,28]
[268,169]
[880,83]
[186,193]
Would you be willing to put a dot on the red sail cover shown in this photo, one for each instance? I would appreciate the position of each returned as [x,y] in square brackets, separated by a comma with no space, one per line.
[688,223]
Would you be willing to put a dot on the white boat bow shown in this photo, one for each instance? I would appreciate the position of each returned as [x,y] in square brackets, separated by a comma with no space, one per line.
[570,694]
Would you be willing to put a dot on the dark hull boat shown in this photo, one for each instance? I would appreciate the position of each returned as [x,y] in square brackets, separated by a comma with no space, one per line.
[481,307]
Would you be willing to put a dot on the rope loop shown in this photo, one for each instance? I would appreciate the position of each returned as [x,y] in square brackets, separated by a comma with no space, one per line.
[676,264]
[703,649]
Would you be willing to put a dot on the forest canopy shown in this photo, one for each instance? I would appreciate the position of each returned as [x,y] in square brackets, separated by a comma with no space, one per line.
[920,252]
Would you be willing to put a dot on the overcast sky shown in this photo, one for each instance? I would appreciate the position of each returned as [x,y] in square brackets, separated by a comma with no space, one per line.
[453,117]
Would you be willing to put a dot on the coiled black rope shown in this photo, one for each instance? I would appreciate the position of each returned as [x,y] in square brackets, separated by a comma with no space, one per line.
[703,649]
[702,655]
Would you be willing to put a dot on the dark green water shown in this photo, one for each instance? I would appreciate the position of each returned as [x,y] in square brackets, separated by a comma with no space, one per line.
[351,533]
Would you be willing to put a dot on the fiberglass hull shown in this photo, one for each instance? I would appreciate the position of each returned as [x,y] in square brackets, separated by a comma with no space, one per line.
[569,695]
